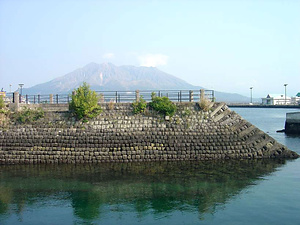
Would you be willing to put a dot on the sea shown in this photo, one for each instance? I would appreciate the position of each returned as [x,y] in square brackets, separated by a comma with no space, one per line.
[211,192]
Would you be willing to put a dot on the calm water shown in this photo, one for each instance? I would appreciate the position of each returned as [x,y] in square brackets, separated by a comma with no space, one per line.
[230,192]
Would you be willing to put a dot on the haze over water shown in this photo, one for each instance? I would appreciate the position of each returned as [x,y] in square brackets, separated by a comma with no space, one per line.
[229,192]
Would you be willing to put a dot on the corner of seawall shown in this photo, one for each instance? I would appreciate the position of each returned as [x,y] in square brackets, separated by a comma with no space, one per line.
[264,144]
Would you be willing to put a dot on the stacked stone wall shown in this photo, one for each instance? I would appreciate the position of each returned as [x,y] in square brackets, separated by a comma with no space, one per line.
[117,135]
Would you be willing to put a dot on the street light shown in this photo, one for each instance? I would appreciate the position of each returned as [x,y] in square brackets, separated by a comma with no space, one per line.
[21,85]
[10,88]
[251,95]
[285,93]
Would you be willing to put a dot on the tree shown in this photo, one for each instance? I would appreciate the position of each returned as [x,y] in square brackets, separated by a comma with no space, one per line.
[139,106]
[84,103]
[2,103]
[163,105]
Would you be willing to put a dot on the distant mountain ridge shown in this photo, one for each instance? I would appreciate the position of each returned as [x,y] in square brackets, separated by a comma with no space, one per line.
[108,77]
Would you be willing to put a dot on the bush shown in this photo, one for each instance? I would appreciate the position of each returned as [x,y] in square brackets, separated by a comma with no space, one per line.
[162,105]
[84,103]
[111,104]
[139,106]
[28,115]
[2,103]
[204,104]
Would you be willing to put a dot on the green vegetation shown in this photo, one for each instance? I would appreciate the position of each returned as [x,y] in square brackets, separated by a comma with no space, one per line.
[204,104]
[111,105]
[186,112]
[84,103]
[4,113]
[2,103]
[163,105]
[28,115]
[139,106]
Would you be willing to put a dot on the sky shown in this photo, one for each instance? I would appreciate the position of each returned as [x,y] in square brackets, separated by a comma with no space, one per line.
[224,45]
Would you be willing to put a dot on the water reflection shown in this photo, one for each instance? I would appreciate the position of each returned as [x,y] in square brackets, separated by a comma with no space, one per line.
[93,191]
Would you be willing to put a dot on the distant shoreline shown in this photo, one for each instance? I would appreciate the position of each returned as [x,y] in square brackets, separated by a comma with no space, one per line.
[262,106]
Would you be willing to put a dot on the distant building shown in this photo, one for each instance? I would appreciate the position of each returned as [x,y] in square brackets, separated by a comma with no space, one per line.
[276,99]
[296,100]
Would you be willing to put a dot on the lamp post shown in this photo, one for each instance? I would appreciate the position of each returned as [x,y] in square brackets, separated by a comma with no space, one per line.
[251,95]
[21,85]
[285,93]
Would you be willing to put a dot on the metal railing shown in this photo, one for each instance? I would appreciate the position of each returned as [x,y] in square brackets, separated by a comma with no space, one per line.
[173,95]
[44,99]
[119,96]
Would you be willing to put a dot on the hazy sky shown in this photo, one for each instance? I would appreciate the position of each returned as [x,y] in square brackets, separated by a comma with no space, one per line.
[223,45]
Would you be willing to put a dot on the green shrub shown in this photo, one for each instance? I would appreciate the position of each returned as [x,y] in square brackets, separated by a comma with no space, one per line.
[3,109]
[186,112]
[163,105]
[204,104]
[111,104]
[28,115]
[139,106]
[153,95]
[84,103]
[2,103]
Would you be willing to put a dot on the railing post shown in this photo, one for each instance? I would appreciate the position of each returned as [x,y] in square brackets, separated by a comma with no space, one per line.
[116,97]
[39,98]
[34,99]
[51,98]
[191,96]
[202,95]
[16,101]
[26,99]
[137,95]
[56,98]
[180,94]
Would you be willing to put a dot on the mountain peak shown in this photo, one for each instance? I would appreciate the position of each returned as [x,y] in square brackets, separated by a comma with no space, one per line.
[91,64]
[108,77]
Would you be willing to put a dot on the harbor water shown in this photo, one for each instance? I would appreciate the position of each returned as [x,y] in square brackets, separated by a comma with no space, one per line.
[210,192]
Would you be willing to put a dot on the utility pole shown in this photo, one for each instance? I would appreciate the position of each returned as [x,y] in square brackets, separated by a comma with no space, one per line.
[21,85]
[251,95]
[285,93]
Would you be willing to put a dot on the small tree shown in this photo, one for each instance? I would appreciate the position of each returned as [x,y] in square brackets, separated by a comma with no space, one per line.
[139,106]
[204,104]
[3,109]
[2,103]
[162,105]
[84,103]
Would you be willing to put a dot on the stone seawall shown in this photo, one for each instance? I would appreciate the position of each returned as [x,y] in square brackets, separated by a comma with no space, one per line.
[292,123]
[117,135]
